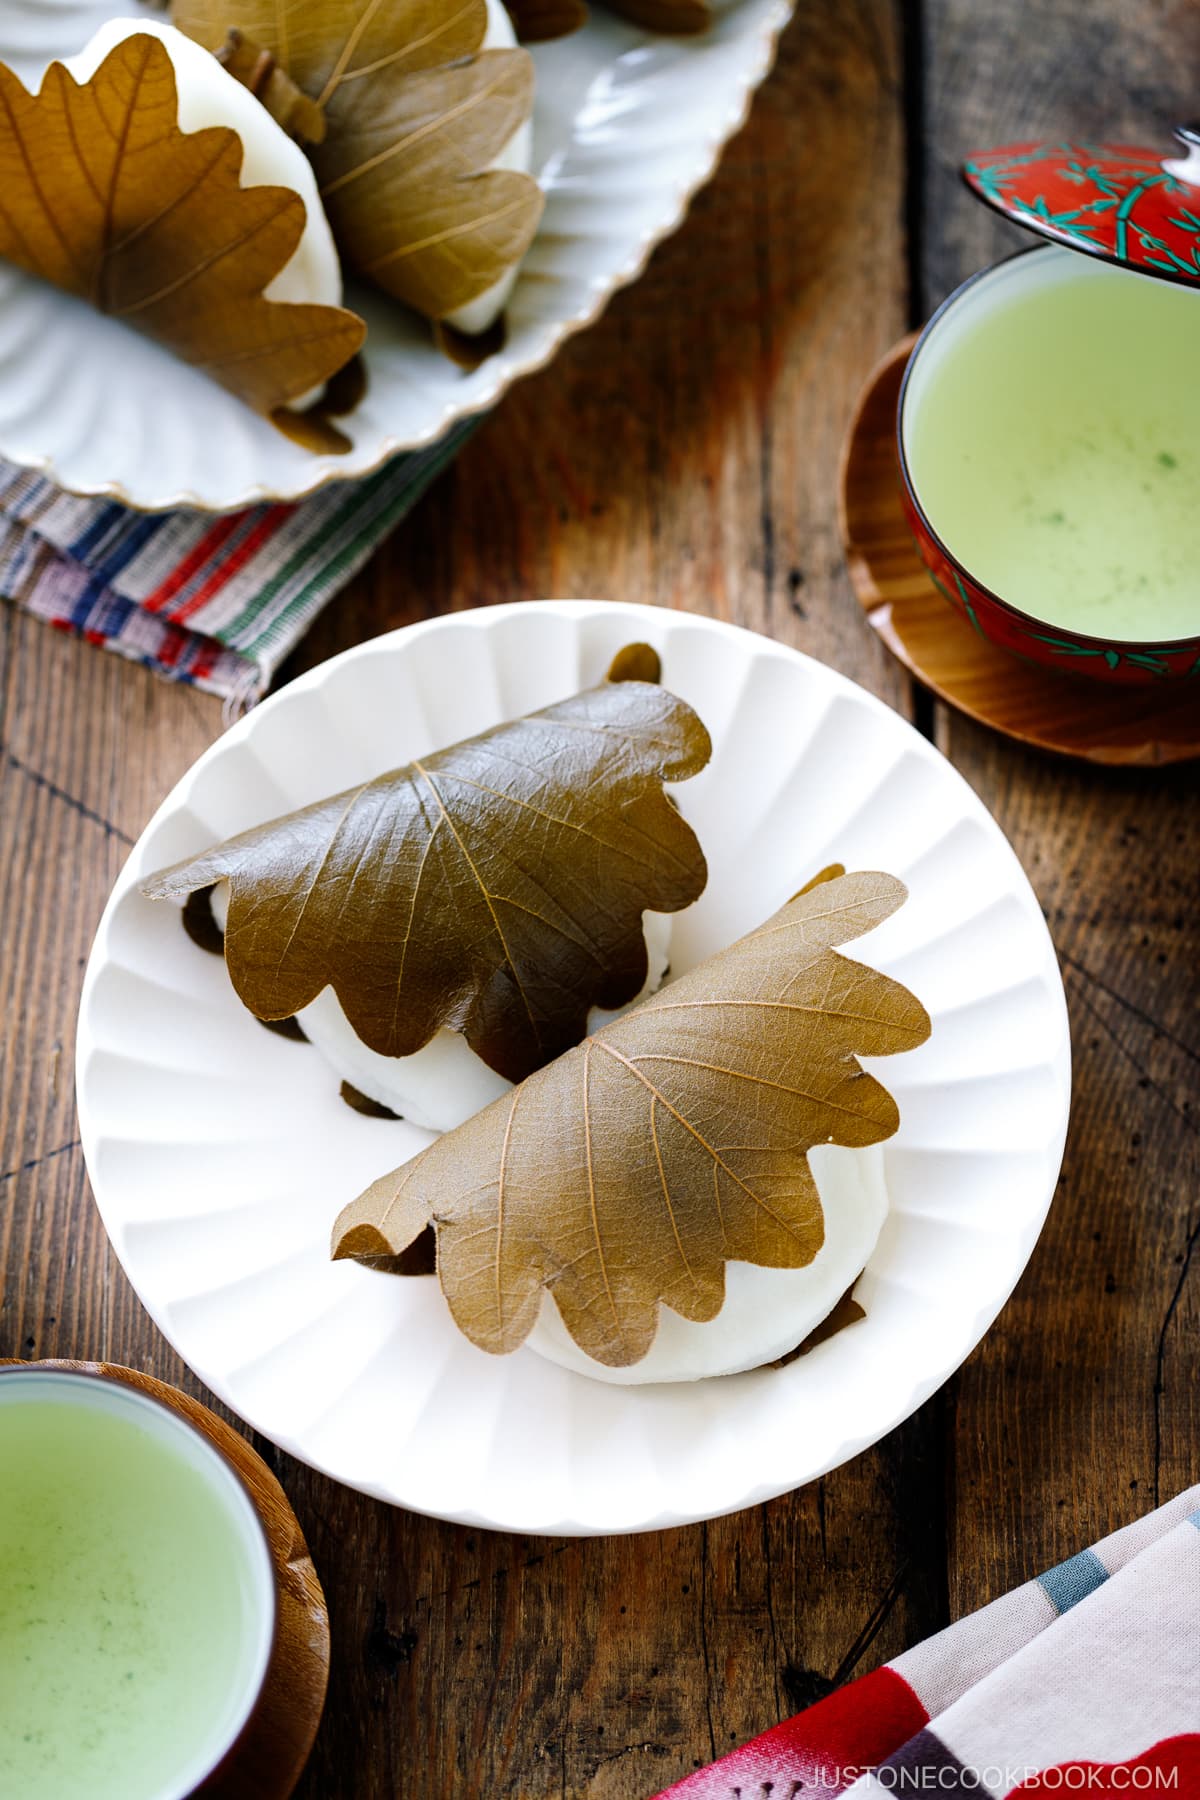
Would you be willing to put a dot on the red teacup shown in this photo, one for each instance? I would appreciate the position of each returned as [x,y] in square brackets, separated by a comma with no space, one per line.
[1049,469]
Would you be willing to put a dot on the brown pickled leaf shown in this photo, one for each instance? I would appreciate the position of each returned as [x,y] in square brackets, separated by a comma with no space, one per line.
[537,20]
[329,45]
[104,196]
[415,113]
[399,176]
[468,349]
[496,888]
[845,1313]
[674,18]
[257,70]
[632,1169]
[636,662]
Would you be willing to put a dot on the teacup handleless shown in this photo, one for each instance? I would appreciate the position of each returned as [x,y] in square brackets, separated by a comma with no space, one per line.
[137,1594]
[1049,439]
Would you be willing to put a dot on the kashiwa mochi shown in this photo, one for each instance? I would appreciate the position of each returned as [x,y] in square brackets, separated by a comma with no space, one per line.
[440,1085]
[208,96]
[485,309]
[695,1187]
[767,1312]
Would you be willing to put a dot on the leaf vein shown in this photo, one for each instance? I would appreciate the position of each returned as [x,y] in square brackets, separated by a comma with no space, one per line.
[666,1193]
[353,800]
[341,75]
[452,232]
[699,1137]
[479,882]
[198,269]
[499,1281]
[591,1178]
[440,122]
[18,138]
[693,1062]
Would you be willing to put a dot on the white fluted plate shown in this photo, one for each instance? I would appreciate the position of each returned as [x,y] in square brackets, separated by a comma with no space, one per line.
[627,126]
[220,1154]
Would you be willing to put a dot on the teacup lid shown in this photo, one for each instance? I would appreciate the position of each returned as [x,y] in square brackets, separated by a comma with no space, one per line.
[1121,202]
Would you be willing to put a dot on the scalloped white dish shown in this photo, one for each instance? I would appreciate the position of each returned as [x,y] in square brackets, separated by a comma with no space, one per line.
[220,1153]
[626,128]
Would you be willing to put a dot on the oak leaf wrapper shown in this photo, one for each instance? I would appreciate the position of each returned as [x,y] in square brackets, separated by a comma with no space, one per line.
[415,113]
[672,17]
[102,194]
[627,1173]
[495,888]
[537,20]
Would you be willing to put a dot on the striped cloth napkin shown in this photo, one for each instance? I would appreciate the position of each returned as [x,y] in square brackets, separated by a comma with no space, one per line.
[1086,1681]
[217,600]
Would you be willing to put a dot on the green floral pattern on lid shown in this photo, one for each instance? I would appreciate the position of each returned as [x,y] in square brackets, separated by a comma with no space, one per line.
[1116,201]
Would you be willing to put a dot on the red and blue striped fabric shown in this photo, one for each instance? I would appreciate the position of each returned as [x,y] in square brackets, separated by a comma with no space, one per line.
[216,600]
[1085,1680]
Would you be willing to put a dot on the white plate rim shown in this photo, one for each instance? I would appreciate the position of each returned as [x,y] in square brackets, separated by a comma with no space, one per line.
[756,1492]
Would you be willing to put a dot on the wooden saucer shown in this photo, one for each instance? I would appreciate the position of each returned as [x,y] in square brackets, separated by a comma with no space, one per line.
[266,1762]
[1070,714]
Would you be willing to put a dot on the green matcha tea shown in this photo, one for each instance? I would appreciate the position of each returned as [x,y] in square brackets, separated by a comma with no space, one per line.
[135,1606]
[1053,439]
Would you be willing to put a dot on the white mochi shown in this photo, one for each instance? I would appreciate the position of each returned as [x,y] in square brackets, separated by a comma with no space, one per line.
[209,96]
[485,309]
[767,1312]
[445,1082]
[437,1087]
[441,1085]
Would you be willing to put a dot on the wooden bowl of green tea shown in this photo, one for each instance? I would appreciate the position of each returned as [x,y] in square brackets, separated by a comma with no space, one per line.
[1050,449]
[137,1594]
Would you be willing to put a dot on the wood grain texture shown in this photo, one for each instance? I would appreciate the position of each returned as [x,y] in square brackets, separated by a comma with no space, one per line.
[684,452]
[1083,1403]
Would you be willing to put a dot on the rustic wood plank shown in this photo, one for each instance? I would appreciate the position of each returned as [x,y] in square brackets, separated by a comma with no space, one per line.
[103,735]
[682,452]
[1081,1408]
[88,746]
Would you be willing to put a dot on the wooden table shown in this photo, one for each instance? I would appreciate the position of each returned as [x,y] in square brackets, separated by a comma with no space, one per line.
[684,451]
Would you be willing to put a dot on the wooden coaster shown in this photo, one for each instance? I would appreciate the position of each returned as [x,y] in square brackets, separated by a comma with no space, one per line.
[266,1762]
[1071,714]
